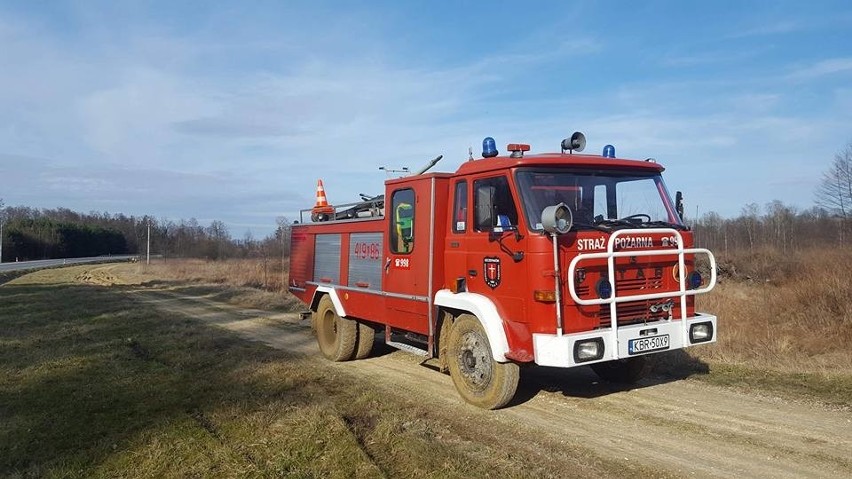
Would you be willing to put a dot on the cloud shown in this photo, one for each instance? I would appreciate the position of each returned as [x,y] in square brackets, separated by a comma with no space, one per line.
[813,19]
[717,56]
[236,118]
[772,28]
[234,128]
[821,69]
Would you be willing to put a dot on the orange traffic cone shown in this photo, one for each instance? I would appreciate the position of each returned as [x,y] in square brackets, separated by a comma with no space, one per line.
[322,210]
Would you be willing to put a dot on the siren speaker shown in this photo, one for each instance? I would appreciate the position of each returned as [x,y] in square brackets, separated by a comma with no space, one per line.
[576,143]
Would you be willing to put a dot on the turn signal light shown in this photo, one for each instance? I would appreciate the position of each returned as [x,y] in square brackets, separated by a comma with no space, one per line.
[458,286]
[545,296]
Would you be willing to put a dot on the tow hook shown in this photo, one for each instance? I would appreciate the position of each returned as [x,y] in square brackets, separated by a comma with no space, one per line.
[665,306]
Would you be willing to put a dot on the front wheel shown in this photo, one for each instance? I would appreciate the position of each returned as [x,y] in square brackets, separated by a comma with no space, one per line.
[479,379]
[623,371]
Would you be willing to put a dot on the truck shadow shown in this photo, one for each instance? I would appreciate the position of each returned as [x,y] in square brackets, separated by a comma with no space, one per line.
[582,382]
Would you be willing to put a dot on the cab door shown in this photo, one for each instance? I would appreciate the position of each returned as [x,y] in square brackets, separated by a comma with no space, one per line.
[456,246]
[495,246]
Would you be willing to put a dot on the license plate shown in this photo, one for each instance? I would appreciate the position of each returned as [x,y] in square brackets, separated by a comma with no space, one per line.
[645,345]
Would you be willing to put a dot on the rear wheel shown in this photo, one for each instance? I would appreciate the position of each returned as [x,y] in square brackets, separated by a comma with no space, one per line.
[479,379]
[623,371]
[336,336]
[366,338]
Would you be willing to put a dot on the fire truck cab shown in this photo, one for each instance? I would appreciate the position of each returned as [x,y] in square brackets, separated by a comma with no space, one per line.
[557,259]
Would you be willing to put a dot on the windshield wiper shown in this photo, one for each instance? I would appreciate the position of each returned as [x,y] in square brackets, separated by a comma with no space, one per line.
[615,222]
[666,224]
[592,226]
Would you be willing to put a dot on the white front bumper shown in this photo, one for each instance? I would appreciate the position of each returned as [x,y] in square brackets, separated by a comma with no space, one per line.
[558,351]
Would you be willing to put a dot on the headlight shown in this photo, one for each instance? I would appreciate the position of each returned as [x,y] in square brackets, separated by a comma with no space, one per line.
[701,332]
[588,350]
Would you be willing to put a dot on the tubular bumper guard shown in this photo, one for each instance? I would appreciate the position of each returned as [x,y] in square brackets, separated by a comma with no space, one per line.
[558,349]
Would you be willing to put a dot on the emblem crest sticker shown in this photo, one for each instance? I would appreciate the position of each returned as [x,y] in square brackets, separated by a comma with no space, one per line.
[491,267]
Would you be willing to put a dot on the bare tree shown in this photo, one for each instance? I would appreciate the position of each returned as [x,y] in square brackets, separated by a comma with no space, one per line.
[750,216]
[780,220]
[834,192]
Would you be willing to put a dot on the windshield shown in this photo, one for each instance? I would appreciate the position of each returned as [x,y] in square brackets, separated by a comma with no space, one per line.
[598,198]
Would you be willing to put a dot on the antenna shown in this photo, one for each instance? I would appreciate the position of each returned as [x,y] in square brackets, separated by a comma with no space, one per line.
[429,165]
[391,171]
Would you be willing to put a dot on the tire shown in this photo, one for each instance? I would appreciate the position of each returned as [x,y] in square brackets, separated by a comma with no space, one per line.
[366,338]
[443,340]
[623,371]
[335,335]
[479,379]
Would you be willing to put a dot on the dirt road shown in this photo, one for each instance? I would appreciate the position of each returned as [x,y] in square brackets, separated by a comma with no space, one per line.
[682,428]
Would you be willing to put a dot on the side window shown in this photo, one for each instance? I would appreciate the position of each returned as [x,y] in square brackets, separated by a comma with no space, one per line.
[402,227]
[460,208]
[493,204]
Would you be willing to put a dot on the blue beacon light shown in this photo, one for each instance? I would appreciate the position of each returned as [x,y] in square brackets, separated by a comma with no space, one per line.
[695,280]
[604,288]
[489,148]
[609,151]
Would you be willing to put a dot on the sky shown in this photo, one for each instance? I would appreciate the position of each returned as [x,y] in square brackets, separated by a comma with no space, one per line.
[232,110]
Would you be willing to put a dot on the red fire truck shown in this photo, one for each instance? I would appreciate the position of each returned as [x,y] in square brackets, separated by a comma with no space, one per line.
[558,259]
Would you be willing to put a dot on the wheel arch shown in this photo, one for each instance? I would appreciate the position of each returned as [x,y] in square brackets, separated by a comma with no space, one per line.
[335,300]
[484,310]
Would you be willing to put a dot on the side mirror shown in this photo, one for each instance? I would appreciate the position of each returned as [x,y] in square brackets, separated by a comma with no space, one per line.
[557,219]
[679,204]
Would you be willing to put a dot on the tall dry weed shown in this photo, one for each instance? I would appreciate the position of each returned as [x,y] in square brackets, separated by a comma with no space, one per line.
[790,311]
[265,274]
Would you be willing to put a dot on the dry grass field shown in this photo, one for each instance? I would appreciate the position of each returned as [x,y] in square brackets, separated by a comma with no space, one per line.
[785,311]
[95,382]
[785,323]
[152,371]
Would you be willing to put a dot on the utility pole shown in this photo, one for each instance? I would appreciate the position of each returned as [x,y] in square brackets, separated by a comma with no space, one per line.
[695,222]
[3,222]
[148,254]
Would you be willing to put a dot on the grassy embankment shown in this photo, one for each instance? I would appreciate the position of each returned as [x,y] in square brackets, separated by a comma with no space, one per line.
[94,383]
[251,283]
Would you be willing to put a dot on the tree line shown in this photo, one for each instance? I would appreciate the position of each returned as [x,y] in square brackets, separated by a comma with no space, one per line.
[31,234]
[775,225]
[825,225]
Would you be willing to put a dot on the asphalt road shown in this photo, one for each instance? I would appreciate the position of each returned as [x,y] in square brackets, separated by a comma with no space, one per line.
[47,263]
